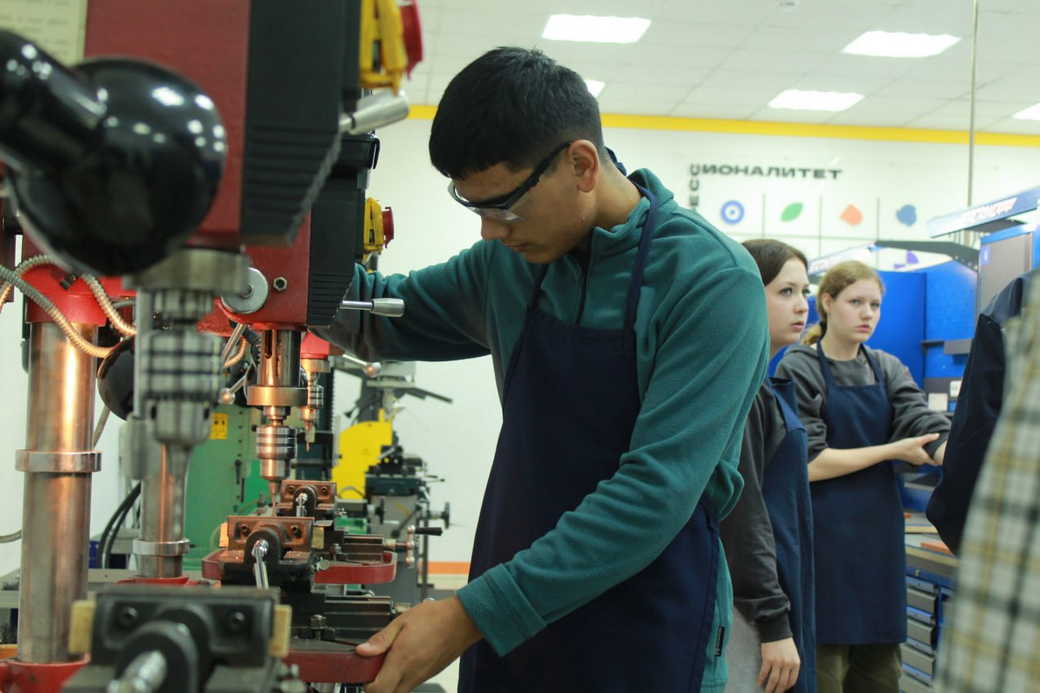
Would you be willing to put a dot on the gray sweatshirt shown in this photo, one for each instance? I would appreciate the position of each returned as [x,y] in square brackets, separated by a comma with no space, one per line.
[911,415]
[747,532]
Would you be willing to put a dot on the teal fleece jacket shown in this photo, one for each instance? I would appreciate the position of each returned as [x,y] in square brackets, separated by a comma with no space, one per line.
[702,349]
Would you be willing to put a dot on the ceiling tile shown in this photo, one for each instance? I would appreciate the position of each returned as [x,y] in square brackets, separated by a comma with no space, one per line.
[930,17]
[785,43]
[753,59]
[940,122]
[940,89]
[983,109]
[663,57]
[827,81]
[618,94]
[1013,125]
[887,112]
[480,19]
[731,111]
[739,98]
[680,79]
[752,81]
[696,35]
[1018,87]
[888,68]
[729,58]
[728,12]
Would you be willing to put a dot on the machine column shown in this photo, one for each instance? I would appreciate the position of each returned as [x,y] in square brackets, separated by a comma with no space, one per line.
[58,463]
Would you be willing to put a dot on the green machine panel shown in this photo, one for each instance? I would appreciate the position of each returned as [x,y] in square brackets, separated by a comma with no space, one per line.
[223,479]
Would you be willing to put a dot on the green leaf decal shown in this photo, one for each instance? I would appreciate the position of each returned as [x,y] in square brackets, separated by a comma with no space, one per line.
[792,211]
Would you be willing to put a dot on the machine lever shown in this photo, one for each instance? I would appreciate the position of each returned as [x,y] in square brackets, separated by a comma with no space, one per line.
[374,111]
[371,369]
[385,307]
[259,566]
[146,673]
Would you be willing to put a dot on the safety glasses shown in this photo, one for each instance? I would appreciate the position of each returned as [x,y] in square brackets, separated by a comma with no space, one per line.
[500,208]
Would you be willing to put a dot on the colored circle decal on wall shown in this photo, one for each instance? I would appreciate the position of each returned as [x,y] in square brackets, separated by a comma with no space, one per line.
[732,212]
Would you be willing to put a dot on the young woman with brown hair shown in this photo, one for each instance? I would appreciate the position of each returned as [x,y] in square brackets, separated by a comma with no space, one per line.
[768,536]
[862,410]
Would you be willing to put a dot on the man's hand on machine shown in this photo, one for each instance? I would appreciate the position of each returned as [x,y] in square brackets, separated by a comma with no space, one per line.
[419,643]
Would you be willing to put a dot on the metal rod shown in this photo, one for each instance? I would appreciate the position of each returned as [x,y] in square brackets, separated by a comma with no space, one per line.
[424,575]
[143,319]
[56,515]
[100,427]
[232,341]
[146,673]
[162,516]
[971,118]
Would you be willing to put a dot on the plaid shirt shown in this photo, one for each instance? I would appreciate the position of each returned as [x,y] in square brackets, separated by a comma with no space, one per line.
[993,643]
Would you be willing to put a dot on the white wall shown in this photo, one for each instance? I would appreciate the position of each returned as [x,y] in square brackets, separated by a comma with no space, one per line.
[458,440]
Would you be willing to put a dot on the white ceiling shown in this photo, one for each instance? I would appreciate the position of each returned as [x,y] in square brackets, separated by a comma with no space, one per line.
[728,58]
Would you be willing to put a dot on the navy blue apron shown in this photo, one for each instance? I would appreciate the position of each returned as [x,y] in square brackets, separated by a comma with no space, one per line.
[570,404]
[858,519]
[785,488]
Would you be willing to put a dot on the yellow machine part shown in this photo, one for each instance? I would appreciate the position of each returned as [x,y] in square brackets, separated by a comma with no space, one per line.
[373,235]
[359,448]
[382,30]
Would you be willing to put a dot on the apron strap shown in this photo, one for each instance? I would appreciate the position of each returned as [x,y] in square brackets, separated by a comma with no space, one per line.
[825,367]
[636,281]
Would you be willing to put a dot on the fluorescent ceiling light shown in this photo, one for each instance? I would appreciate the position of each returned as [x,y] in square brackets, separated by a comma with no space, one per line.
[815,100]
[1031,113]
[595,86]
[896,44]
[593,29]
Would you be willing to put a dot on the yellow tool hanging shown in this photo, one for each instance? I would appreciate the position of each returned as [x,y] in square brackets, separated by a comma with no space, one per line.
[384,58]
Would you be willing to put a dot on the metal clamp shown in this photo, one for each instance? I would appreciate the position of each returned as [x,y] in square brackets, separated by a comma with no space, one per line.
[82,462]
[276,396]
[165,549]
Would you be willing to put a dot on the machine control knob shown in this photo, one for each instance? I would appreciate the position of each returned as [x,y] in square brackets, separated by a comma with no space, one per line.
[388,226]
[254,297]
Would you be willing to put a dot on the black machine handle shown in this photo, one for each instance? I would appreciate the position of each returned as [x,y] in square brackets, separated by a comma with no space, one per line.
[111,164]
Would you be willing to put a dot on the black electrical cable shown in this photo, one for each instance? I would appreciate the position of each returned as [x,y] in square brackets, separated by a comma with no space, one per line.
[108,535]
[106,552]
[131,499]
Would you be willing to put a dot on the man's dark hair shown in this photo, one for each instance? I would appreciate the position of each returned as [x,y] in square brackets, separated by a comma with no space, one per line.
[511,106]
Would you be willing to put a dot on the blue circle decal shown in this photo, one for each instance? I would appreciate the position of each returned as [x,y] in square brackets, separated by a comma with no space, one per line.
[732,212]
